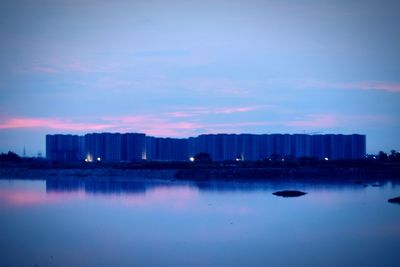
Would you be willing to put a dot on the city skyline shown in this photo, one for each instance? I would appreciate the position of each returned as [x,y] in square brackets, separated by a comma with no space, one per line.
[131,147]
[183,68]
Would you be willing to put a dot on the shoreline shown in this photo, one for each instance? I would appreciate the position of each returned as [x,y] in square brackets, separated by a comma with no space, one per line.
[209,171]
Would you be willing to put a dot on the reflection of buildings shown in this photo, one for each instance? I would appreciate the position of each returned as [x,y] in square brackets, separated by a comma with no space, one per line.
[116,147]
[113,186]
[103,186]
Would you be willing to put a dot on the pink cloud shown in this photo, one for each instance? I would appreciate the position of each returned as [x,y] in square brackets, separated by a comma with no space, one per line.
[221,87]
[386,86]
[360,85]
[76,66]
[150,124]
[190,112]
[240,124]
[51,123]
[180,114]
[197,111]
[42,69]
[236,110]
[334,120]
[60,65]
[159,126]
[184,123]
[319,121]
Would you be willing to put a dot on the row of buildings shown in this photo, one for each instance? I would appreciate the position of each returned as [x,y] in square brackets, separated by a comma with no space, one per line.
[129,147]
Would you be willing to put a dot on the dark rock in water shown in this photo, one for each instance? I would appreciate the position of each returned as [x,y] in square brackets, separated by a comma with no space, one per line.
[289,193]
[394,200]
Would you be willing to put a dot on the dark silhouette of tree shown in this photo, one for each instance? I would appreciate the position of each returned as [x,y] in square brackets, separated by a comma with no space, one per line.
[394,155]
[202,157]
[382,155]
[10,157]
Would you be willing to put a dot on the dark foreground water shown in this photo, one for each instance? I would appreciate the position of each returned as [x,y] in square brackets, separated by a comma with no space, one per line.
[105,222]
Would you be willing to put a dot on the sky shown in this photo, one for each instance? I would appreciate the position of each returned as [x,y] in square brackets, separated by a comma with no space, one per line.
[183,68]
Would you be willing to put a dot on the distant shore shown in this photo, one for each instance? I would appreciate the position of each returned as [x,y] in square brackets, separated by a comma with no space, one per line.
[203,171]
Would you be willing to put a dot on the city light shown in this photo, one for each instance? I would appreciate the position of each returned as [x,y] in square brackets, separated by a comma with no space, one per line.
[89,158]
[326,159]
[98,159]
[191,159]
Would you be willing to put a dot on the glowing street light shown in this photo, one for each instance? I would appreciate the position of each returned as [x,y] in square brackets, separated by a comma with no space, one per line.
[89,158]
[191,159]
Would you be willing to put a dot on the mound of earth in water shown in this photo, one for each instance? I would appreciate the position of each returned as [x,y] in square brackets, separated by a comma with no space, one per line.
[394,200]
[289,193]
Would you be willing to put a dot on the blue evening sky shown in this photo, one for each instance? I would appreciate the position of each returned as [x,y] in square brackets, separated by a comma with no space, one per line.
[183,68]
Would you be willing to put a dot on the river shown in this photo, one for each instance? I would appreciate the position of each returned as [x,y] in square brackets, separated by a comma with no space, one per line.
[144,222]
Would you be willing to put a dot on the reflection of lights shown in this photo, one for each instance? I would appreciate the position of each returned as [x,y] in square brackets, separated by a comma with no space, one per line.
[283,159]
[191,159]
[374,157]
[326,159]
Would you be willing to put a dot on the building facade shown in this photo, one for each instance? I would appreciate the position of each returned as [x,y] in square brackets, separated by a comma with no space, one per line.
[65,147]
[130,147]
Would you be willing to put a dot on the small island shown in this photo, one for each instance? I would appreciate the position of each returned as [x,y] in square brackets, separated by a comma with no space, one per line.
[394,200]
[289,193]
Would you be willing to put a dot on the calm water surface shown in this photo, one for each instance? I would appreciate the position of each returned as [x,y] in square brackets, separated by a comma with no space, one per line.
[112,222]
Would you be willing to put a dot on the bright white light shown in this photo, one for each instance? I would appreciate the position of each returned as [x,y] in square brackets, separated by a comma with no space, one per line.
[191,159]
[237,159]
[88,158]
[374,157]
[326,159]
[98,158]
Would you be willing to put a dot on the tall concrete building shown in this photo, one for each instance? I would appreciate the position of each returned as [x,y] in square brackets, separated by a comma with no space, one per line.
[62,147]
[128,147]
[166,149]
[135,146]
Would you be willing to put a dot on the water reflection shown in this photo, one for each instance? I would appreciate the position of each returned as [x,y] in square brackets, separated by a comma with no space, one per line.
[114,221]
[140,191]
[114,185]
[96,185]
